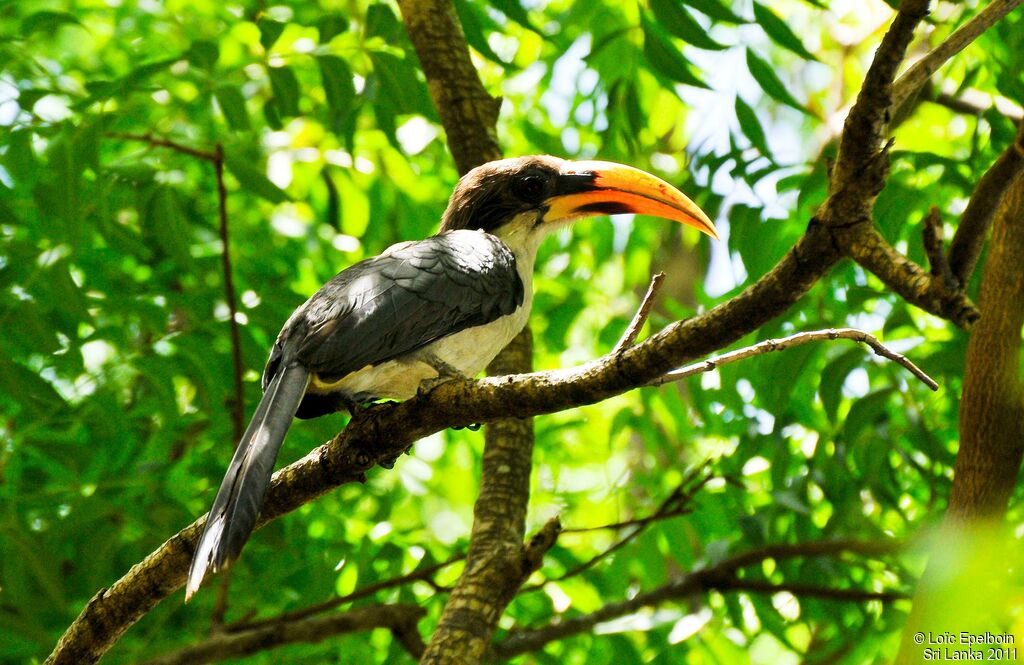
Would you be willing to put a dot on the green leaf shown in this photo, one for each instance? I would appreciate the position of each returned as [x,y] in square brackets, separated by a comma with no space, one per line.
[382,22]
[47,21]
[770,82]
[252,179]
[833,377]
[270,31]
[675,19]
[475,23]
[780,33]
[400,88]
[272,116]
[515,11]
[330,26]
[166,226]
[232,105]
[203,54]
[665,58]
[865,412]
[336,76]
[751,126]
[286,90]
[715,10]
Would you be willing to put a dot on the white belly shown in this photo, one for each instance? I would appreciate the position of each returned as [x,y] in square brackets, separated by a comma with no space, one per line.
[468,352]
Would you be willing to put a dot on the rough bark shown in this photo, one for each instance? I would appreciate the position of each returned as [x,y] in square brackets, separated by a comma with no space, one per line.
[985,199]
[991,425]
[468,113]
[400,619]
[496,564]
[991,409]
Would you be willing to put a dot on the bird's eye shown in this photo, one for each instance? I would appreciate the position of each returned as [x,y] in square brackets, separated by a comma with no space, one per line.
[529,188]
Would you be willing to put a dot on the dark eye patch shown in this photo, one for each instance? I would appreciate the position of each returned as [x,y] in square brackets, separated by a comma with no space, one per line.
[529,187]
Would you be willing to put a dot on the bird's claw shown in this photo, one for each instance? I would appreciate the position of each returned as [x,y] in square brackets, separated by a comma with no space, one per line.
[471,427]
[390,462]
[356,410]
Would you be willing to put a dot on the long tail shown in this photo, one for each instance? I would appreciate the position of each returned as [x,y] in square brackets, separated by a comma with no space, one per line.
[245,484]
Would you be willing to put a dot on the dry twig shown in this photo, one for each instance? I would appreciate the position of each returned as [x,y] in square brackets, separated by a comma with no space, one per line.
[771,345]
[632,331]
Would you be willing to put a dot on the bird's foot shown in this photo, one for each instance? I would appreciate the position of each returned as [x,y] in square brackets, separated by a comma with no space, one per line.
[356,409]
[472,428]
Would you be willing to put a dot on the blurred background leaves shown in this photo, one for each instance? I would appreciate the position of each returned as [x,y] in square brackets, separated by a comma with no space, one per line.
[115,358]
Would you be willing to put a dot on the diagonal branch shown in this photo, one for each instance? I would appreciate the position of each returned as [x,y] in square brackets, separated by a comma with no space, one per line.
[400,619]
[642,313]
[977,218]
[721,577]
[772,345]
[919,73]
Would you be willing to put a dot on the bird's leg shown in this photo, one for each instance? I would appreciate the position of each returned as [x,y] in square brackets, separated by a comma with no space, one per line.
[445,373]
[357,409]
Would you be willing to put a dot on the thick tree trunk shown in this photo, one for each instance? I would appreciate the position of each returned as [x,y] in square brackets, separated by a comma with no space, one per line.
[991,440]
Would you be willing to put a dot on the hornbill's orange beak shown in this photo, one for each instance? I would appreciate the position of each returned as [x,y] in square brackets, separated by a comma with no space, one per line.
[606,188]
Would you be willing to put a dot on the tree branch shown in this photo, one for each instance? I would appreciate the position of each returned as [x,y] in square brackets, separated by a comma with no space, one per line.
[222,646]
[860,172]
[869,117]
[991,420]
[640,318]
[771,345]
[497,562]
[422,574]
[914,284]
[675,504]
[720,577]
[468,112]
[919,73]
[977,217]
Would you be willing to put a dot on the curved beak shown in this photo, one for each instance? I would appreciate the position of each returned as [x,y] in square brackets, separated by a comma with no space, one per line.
[590,188]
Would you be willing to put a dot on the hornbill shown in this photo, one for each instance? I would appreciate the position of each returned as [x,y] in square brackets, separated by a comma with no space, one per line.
[421,312]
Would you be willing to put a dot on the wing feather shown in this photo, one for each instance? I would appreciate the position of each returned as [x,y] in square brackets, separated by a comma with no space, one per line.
[409,296]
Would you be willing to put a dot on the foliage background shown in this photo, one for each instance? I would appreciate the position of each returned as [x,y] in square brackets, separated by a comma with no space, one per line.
[115,358]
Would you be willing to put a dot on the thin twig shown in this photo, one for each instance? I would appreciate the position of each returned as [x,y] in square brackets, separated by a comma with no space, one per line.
[934,248]
[166,143]
[721,576]
[915,77]
[220,605]
[400,619]
[640,318]
[974,102]
[238,403]
[784,343]
[813,591]
[421,575]
[215,157]
[680,497]
[640,521]
[965,249]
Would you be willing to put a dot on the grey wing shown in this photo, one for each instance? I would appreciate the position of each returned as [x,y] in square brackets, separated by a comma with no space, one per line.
[409,296]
